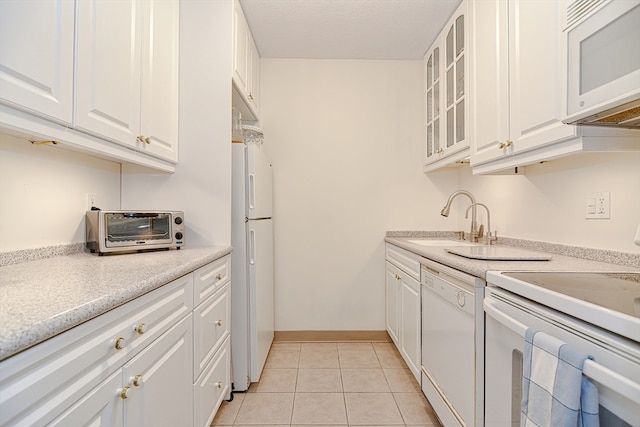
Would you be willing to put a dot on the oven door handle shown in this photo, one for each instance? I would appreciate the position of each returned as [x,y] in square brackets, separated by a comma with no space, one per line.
[598,373]
[508,321]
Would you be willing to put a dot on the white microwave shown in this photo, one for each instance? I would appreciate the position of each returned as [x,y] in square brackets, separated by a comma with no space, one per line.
[602,38]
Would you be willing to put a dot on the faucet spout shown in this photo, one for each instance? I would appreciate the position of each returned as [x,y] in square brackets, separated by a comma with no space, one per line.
[447,207]
[490,238]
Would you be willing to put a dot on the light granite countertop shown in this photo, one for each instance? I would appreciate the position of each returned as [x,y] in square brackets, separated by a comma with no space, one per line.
[564,257]
[42,298]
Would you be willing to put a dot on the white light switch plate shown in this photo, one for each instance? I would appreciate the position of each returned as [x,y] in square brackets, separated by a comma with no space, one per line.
[598,205]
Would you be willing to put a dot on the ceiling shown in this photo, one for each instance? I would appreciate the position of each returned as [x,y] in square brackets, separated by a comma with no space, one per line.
[346,29]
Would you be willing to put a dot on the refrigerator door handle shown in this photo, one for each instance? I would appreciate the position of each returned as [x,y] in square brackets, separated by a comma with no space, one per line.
[252,247]
[252,191]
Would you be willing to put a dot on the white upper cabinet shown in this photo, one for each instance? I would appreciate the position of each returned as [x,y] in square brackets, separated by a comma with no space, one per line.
[517,89]
[246,67]
[127,73]
[36,57]
[447,102]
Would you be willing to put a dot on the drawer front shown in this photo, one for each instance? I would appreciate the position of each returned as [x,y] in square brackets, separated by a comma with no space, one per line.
[211,326]
[37,384]
[209,278]
[404,260]
[213,386]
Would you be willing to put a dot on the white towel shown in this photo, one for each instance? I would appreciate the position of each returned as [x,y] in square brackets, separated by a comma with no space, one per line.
[554,391]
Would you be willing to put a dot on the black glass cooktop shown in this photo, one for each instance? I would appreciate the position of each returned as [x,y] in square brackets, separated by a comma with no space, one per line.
[615,291]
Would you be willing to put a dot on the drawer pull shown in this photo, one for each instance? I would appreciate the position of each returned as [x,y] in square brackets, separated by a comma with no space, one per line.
[124,393]
[120,343]
[219,384]
[219,276]
[218,322]
[137,380]
[141,328]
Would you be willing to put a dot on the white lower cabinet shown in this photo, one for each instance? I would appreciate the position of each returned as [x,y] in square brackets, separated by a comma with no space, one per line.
[213,386]
[159,391]
[132,366]
[403,305]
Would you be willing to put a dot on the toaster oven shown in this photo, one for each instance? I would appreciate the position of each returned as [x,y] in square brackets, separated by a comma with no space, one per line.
[122,231]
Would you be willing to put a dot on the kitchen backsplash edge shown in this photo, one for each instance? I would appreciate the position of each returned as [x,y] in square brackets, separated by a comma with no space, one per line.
[26,255]
[602,255]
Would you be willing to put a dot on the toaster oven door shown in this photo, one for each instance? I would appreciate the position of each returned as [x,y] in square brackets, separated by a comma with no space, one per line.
[137,229]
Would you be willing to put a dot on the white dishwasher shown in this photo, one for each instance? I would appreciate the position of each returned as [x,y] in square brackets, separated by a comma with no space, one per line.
[452,351]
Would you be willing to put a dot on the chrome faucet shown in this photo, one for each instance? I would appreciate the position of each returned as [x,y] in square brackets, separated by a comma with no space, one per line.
[490,238]
[474,226]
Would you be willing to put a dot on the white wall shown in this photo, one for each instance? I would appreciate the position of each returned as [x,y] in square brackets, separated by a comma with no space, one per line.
[201,184]
[345,143]
[43,193]
[548,203]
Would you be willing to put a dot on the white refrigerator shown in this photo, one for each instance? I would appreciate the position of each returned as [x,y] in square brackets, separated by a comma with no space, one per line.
[252,308]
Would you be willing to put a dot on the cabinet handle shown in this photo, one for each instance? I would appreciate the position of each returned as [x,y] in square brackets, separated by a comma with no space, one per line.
[219,276]
[251,96]
[218,322]
[219,384]
[124,393]
[141,328]
[120,343]
[147,140]
[505,144]
[398,277]
[440,150]
[137,380]
[140,138]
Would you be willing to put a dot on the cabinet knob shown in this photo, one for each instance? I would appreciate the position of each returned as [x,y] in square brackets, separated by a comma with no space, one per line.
[124,393]
[147,140]
[140,138]
[137,380]
[219,276]
[141,328]
[398,277]
[505,144]
[219,384]
[120,343]
[251,96]
[218,322]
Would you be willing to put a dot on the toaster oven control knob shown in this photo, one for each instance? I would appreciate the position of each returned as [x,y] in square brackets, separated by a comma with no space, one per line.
[179,235]
[178,220]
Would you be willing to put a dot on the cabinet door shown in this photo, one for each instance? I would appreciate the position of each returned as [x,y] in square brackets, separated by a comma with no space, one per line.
[455,96]
[535,75]
[241,47]
[102,406]
[392,287]
[490,85]
[36,60]
[159,83]
[433,99]
[212,387]
[211,321]
[410,344]
[254,76]
[108,69]
[163,372]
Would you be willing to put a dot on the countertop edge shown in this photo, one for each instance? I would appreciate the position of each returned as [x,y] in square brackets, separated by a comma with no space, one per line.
[16,337]
[479,268]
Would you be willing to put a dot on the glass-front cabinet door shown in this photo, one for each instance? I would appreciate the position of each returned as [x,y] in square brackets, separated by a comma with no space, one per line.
[446,95]
[432,85]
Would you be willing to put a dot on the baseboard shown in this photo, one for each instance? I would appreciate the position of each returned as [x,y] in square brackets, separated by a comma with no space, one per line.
[379,336]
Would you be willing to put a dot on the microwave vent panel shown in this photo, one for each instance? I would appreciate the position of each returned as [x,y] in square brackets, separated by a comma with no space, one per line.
[578,9]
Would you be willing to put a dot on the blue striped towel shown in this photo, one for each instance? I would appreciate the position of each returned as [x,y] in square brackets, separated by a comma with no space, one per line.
[554,391]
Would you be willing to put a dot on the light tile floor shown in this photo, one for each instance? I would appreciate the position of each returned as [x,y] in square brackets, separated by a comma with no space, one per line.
[336,384]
